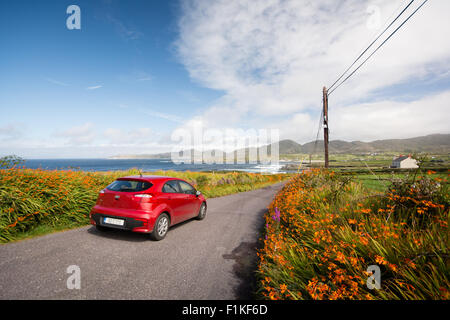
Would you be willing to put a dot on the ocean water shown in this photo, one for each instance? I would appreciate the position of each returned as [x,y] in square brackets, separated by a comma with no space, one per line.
[146,165]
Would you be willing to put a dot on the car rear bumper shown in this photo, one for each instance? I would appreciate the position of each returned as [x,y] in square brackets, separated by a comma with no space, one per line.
[134,220]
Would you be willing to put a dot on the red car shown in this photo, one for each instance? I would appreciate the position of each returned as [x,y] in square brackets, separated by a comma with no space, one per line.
[148,204]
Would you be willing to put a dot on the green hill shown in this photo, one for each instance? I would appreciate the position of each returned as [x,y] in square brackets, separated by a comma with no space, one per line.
[437,143]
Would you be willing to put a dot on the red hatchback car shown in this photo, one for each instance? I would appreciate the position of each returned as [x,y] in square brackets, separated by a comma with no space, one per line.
[148,204]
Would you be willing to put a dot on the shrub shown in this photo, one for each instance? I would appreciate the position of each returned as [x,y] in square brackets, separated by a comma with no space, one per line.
[323,231]
[202,180]
[8,162]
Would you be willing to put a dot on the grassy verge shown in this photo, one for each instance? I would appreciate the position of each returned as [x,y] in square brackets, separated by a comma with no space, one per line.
[35,202]
[324,230]
[381,182]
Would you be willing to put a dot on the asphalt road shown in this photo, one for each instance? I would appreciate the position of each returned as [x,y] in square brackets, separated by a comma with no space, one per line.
[209,259]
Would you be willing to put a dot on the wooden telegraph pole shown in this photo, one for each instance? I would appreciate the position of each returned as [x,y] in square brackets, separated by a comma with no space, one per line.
[325,124]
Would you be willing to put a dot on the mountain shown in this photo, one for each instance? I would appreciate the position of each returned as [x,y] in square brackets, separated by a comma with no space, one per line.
[289,147]
[438,143]
[433,143]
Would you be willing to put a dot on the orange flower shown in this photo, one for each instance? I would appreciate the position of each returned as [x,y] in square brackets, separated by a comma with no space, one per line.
[410,263]
[380,260]
[340,257]
[393,267]
[364,241]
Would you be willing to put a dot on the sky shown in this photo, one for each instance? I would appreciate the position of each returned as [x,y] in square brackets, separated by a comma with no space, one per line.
[138,71]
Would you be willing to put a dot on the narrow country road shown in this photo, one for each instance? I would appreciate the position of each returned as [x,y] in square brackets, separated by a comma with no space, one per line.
[209,259]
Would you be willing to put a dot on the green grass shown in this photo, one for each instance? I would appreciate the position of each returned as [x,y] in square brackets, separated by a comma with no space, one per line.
[346,162]
[42,230]
[373,183]
[380,182]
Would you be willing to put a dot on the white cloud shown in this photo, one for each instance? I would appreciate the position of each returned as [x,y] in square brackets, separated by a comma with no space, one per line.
[390,119]
[10,132]
[131,137]
[300,125]
[94,87]
[80,142]
[78,135]
[148,78]
[162,115]
[60,83]
[272,58]
[135,75]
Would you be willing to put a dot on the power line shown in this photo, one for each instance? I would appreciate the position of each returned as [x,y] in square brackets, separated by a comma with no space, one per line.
[370,45]
[378,48]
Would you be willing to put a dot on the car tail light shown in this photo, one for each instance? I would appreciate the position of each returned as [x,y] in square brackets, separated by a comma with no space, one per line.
[143,197]
[100,196]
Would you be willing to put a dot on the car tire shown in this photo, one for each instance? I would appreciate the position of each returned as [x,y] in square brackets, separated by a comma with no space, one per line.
[101,228]
[161,227]
[202,212]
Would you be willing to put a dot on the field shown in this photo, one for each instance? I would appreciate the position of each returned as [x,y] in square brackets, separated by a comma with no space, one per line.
[35,201]
[379,162]
[324,229]
[381,182]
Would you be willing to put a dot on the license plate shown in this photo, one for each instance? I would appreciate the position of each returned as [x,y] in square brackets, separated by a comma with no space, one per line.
[117,222]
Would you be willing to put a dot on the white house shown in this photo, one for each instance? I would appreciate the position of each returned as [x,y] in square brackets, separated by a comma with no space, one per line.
[404,162]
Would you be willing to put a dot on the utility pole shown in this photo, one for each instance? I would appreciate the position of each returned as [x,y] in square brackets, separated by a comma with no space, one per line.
[325,124]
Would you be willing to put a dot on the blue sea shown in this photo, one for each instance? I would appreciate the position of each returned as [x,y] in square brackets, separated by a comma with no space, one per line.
[145,165]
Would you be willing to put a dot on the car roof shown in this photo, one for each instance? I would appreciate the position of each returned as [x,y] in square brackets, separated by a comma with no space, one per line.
[150,178]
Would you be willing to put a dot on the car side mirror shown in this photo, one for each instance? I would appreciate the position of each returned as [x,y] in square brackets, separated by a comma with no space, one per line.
[197,193]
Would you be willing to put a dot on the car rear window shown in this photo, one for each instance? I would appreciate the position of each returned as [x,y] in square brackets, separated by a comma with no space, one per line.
[129,185]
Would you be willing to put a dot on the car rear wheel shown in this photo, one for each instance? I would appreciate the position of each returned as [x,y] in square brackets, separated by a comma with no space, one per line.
[202,212]
[161,227]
